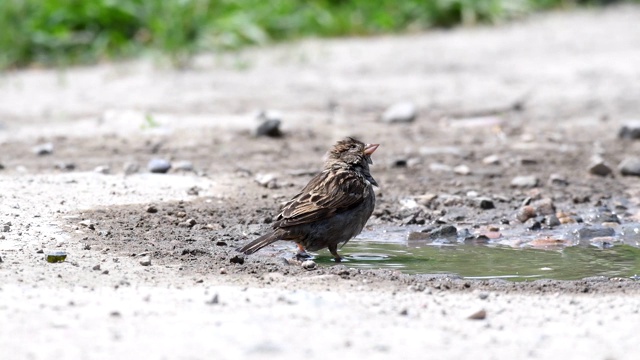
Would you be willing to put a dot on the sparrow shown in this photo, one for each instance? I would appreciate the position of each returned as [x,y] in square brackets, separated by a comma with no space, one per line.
[332,208]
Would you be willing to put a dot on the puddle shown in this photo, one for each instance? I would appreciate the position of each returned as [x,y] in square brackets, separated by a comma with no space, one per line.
[391,250]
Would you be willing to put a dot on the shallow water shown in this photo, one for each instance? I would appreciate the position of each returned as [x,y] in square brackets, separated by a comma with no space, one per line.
[391,251]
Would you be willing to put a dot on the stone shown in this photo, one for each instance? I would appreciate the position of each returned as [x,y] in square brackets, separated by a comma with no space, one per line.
[309,265]
[630,166]
[402,112]
[558,180]
[462,170]
[552,221]
[145,261]
[55,256]
[102,169]
[595,231]
[270,121]
[237,259]
[484,203]
[599,167]
[478,315]
[630,130]
[526,181]
[130,168]
[270,128]
[151,209]
[491,160]
[544,206]
[159,166]
[43,149]
[438,167]
[270,181]
[65,166]
[525,213]
[184,165]
[443,232]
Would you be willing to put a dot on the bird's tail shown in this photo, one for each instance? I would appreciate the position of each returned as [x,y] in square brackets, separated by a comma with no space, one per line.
[259,243]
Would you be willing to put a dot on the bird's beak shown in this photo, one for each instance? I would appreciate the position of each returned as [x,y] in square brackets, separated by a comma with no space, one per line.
[368,150]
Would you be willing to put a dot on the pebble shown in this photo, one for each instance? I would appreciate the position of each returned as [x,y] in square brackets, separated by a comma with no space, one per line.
[87,224]
[630,130]
[64,165]
[491,160]
[145,261]
[552,221]
[595,231]
[630,166]
[43,149]
[270,181]
[309,265]
[270,127]
[6,227]
[96,267]
[558,180]
[544,206]
[188,223]
[525,213]
[478,315]
[443,232]
[102,169]
[402,112]
[462,170]
[484,203]
[183,166]
[237,259]
[159,166]
[55,256]
[130,168]
[1,166]
[526,181]
[0,259]
[151,209]
[599,167]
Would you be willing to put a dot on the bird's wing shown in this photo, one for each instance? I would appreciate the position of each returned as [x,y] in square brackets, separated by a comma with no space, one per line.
[327,194]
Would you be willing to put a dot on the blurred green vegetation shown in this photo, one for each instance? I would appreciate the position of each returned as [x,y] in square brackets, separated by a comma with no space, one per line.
[64,32]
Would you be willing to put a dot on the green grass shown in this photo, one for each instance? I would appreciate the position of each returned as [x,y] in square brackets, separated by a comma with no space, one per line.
[65,32]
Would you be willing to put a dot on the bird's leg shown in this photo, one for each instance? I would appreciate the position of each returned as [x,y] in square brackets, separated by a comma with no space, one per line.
[334,251]
[302,253]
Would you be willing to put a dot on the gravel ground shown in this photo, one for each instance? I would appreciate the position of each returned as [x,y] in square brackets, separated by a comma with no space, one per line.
[149,271]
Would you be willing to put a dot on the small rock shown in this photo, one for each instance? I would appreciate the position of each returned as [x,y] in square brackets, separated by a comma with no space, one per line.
[131,168]
[43,149]
[544,206]
[183,166]
[66,166]
[309,265]
[527,181]
[237,259]
[194,191]
[102,169]
[151,209]
[596,231]
[55,256]
[491,160]
[269,128]
[187,223]
[533,224]
[159,166]
[222,271]
[528,161]
[630,130]
[484,203]
[398,163]
[483,295]
[599,167]
[402,112]
[525,213]
[479,315]
[552,221]
[443,232]
[6,227]
[269,181]
[462,170]
[96,267]
[630,166]
[87,224]
[145,261]
[269,123]
[558,180]
[1,166]
[214,300]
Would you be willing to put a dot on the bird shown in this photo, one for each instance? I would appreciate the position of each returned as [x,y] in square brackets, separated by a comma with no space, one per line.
[332,208]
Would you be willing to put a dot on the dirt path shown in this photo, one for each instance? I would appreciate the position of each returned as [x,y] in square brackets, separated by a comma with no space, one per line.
[544,94]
